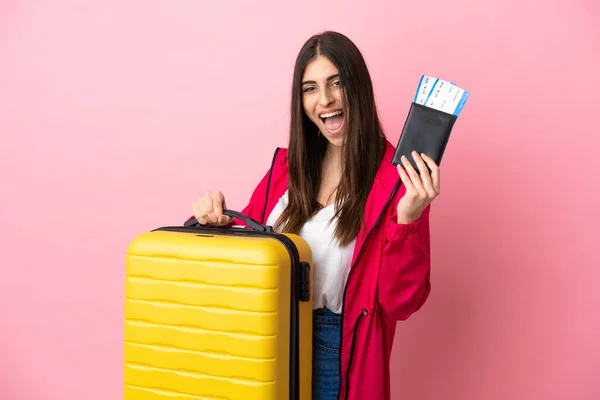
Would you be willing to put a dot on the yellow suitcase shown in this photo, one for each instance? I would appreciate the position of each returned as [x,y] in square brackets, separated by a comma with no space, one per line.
[218,313]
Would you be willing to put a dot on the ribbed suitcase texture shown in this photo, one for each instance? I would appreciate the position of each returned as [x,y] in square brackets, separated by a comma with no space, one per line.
[221,313]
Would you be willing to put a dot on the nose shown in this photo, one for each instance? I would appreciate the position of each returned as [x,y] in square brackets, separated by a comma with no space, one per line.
[326,98]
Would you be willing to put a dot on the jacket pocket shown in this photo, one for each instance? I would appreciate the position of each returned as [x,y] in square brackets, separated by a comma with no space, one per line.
[320,347]
[326,336]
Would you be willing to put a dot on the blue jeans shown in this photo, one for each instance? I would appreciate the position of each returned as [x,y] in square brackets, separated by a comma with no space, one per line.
[326,354]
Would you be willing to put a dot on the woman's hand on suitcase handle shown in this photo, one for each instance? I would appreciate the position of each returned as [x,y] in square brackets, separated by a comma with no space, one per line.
[208,209]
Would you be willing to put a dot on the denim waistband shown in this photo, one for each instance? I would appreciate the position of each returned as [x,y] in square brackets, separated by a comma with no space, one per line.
[325,316]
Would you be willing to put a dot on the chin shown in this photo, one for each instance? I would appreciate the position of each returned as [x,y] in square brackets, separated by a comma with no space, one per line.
[337,141]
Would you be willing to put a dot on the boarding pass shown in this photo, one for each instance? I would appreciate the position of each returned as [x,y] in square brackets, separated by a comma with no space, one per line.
[440,95]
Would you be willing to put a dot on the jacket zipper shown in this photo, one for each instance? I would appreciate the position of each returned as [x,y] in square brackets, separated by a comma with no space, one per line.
[364,311]
[360,316]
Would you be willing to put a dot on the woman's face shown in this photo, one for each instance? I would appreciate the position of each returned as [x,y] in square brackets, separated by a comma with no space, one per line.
[322,99]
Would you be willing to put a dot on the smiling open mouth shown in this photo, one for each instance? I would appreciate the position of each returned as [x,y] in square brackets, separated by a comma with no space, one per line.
[333,120]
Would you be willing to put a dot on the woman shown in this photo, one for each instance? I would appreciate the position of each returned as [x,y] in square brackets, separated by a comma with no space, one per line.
[366,221]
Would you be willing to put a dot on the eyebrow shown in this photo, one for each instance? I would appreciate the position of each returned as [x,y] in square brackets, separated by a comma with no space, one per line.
[330,78]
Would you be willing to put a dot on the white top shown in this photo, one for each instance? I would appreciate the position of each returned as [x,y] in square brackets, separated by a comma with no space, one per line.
[331,263]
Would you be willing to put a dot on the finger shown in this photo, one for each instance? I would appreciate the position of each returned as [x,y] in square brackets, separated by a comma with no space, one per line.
[206,209]
[425,177]
[416,181]
[405,179]
[210,215]
[435,172]
[218,207]
[205,217]
[225,219]
[198,213]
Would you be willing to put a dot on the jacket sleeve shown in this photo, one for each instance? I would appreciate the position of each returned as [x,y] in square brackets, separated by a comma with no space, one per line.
[404,279]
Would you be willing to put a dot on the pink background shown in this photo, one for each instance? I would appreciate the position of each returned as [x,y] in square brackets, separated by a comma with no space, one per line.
[115,115]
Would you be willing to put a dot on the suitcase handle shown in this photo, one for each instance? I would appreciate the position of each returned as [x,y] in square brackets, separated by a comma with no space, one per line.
[257,226]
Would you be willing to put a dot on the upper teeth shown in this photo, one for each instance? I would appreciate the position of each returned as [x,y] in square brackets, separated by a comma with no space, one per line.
[331,114]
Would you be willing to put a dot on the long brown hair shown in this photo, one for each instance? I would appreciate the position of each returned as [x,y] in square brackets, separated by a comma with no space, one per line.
[363,148]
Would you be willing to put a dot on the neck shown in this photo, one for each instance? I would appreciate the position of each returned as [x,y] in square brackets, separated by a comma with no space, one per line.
[331,171]
[333,156]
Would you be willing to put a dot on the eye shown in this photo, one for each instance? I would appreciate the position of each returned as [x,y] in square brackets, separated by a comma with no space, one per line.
[308,89]
[336,83]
